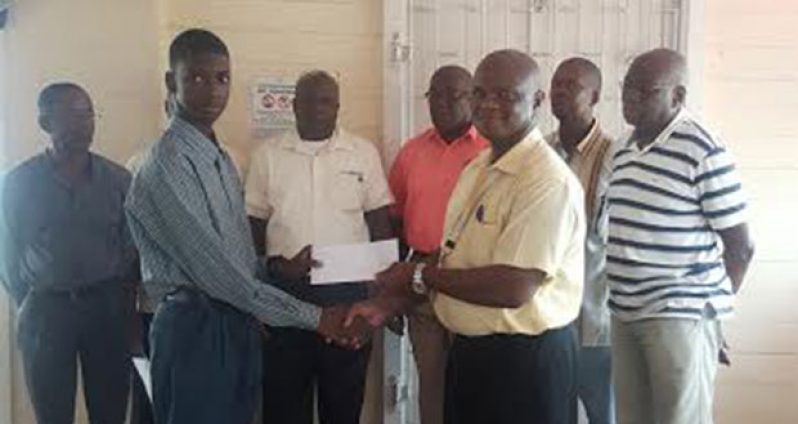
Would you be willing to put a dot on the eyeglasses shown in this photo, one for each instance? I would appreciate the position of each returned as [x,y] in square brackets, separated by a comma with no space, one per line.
[447,96]
[77,115]
[503,96]
[637,94]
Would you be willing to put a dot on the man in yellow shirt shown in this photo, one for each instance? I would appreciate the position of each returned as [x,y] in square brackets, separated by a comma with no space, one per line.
[509,280]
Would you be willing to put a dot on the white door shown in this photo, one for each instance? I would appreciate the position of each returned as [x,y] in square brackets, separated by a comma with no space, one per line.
[422,35]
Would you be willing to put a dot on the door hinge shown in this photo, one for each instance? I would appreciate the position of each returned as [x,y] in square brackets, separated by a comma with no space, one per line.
[400,50]
[397,393]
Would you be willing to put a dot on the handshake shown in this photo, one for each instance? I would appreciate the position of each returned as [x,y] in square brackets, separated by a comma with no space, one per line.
[352,326]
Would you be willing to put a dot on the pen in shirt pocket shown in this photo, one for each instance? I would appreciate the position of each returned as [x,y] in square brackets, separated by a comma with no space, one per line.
[480,214]
[356,174]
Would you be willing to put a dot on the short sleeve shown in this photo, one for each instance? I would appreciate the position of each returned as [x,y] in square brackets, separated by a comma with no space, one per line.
[719,189]
[397,181]
[545,221]
[256,191]
[377,193]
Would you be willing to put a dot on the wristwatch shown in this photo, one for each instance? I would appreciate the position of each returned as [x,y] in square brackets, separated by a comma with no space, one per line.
[418,279]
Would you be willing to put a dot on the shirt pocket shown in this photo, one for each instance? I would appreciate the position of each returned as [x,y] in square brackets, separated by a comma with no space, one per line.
[347,190]
[103,225]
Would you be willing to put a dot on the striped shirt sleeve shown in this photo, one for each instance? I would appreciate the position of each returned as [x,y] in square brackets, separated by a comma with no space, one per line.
[167,205]
[397,181]
[719,189]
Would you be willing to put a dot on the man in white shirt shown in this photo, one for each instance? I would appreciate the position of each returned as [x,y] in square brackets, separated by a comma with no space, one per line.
[319,185]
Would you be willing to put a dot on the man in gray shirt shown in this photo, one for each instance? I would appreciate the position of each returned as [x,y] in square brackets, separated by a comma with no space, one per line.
[69,264]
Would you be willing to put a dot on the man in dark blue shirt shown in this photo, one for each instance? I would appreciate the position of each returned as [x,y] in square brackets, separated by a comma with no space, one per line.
[68,263]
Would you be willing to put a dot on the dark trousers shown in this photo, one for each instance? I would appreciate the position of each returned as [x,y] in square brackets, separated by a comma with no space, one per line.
[141,407]
[293,361]
[54,331]
[512,379]
[205,361]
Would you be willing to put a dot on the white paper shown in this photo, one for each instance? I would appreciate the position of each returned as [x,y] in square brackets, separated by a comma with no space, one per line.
[142,366]
[346,263]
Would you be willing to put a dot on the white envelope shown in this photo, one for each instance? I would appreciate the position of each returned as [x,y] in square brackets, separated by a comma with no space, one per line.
[346,263]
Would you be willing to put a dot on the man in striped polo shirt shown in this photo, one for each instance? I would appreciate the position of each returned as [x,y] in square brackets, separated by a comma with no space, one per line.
[678,248]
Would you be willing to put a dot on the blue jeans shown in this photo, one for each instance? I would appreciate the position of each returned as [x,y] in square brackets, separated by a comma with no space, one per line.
[594,385]
[206,365]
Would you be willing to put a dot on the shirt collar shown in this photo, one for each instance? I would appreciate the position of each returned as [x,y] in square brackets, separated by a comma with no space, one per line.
[470,136]
[198,143]
[590,138]
[514,161]
[681,116]
[94,165]
[340,140]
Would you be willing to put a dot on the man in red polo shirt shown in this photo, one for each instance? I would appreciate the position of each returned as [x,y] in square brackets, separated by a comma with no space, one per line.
[422,179]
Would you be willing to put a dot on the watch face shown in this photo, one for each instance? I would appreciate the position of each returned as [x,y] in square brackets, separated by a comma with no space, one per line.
[418,281]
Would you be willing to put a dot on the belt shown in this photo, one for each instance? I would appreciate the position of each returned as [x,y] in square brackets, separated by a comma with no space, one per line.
[188,294]
[99,287]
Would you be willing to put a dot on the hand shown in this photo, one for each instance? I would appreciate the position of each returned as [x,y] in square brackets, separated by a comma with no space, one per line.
[332,328]
[396,279]
[376,312]
[369,311]
[299,266]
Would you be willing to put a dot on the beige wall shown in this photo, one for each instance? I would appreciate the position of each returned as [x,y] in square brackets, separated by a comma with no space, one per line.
[286,38]
[118,48]
[107,46]
[751,99]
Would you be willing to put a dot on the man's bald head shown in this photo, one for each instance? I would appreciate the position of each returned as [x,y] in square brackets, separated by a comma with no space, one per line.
[449,98]
[66,114]
[513,66]
[507,95]
[316,104]
[311,80]
[575,90]
[666,66]
[450,73]
[584,69]
[54,95]
[654,90]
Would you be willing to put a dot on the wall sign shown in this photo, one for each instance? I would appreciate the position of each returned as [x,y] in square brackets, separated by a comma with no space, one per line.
[271,105]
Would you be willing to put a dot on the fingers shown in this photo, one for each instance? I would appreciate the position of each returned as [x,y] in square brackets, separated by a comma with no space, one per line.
[304,253]
[305,259]
[353,313]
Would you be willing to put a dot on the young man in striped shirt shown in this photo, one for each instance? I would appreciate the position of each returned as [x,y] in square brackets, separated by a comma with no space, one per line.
[678,248]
